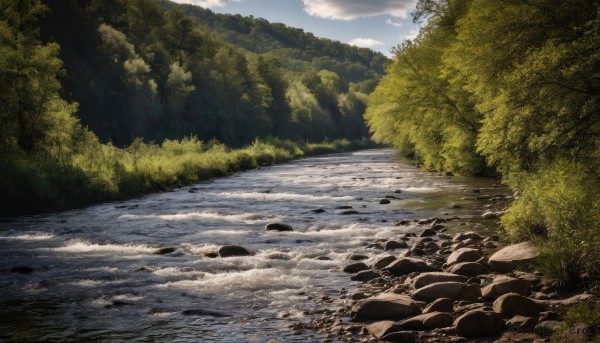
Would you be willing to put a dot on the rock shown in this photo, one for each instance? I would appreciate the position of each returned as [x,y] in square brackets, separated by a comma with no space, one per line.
[398,191]
[355,268]
[508,257]
[382,328]
[356,257]
[463,255]
[520,323]
[278,227]
[21,270]
[384,306]
[503,285]
[550,327]
[439,227]
[233,250]
[347,212]
[434,277]
[489,245]
[468,269]
[450,289]
[467,235]
[365,275]
[391,245]
[200,312]
[512,304]
[383,262]
[358,296]
[384,201]
[406,265]
[428,232]
[428,321]
[318,210]
[210,254]
[163,251]
[400,337]
[344,207]
[478,323]
[440,305]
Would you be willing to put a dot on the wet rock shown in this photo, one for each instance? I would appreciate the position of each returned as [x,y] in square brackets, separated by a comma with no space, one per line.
[391,245]
[200,312]
[406,265]
[383,262]
[210,254]
[478,323]
[467,235]
[451,290]
[278,227]
[358,296]
[375,246]
[344,207]
[164,251]
[440,305]
[233,250]
[21,270]
[347,212]
[365,275]
[428,232]
[503,285]
[355,268]
[380,329]
[426,221]
[398,191]
[512,304]
[426,279]
[463,255]
[428,321]
[356,257]
[490,245]
[384,306]
[402,222]
[506,259]
[468,269]
[488,215]
[384,201]
[318,210]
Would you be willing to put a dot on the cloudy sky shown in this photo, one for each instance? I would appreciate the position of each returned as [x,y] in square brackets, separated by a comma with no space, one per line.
[376,24]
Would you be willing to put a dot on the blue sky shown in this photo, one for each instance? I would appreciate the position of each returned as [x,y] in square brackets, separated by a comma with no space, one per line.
[376,24]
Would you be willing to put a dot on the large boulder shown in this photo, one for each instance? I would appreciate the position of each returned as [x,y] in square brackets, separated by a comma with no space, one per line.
[434,277]
[391,245]
[385,306]
[233,250]
[451,290]
[503,285]
[407,265]
[440,305]
[468,269]
[382,328]
[383,262]
[513,304]
[463,255]
[365,276]
[478,323]
[507,258]
[428,321]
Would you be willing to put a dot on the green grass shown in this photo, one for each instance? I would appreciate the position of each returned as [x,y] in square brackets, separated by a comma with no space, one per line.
[102,172]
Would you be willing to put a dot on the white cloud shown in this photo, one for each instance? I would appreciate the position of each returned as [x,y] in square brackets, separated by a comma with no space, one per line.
[365,42]
[393,23]
[412,34]
[206,3]
[352,9]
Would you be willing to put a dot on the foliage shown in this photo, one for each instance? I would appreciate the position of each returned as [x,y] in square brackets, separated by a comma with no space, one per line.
[512,87]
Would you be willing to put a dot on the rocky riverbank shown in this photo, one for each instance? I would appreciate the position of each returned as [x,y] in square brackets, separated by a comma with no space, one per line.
[434,287]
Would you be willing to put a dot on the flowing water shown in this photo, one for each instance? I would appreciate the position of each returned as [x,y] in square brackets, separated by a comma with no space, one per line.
[95,277]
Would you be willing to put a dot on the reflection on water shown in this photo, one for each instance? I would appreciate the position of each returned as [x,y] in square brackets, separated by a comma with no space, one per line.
[95,276]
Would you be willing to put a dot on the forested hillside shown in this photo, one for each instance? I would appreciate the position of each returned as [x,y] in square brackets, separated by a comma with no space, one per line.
[508,87]
[102,100]
[154,69]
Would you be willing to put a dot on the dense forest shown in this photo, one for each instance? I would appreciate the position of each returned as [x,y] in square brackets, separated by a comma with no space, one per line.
[102,99]
[509,88]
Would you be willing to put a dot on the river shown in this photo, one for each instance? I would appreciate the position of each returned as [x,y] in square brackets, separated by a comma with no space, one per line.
[95,277]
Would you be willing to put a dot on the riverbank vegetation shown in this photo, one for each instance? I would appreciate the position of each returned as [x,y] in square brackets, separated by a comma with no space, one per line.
[509,88]
[87,87]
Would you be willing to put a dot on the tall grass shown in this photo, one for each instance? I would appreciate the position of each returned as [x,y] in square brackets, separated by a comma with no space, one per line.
[101,172]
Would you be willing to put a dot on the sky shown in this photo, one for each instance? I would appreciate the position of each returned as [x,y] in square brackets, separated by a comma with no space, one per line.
[376,24]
